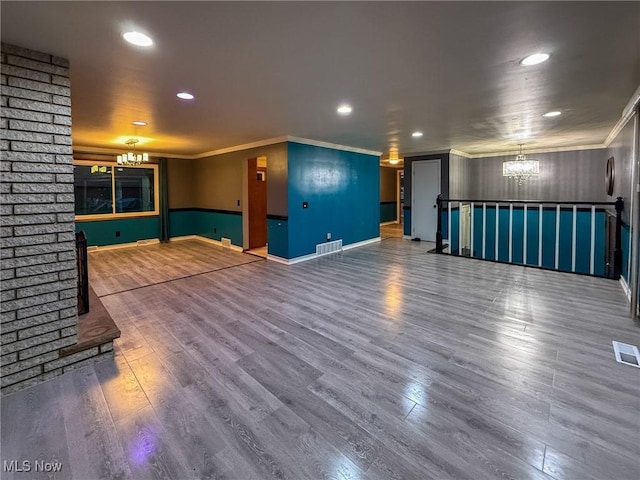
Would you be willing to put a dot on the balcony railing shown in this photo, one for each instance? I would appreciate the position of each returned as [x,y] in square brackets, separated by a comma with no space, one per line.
[578,237]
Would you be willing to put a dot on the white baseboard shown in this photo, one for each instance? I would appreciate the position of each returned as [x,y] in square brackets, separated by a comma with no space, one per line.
[392,222]
[361,244]
[145,242]
[235,248]
[407,237]
[311,256]
[625,288]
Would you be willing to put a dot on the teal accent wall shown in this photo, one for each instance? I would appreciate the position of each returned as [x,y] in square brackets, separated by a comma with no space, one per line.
[343,193]
[407,222]
[206,223]
[103,232]
[583,237]
[183,223]
[388,211]
[278,235]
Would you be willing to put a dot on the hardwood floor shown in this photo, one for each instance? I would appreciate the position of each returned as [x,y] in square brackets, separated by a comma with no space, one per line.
[377,363]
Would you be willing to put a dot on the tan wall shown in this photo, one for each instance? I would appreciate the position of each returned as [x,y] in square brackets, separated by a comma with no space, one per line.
[180,183]
[388,184]
[218,179]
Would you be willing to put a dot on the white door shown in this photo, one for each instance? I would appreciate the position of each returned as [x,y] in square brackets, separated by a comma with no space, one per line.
[425,187]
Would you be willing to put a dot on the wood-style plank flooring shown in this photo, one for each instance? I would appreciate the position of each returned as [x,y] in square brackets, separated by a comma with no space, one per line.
[381,362]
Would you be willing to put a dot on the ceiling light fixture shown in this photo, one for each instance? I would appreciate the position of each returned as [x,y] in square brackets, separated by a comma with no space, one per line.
[139,123]
[344,109]
[416,134]
[534,59]
[138,39]
[554,113]
[185,96]
[131,157]
[520,169]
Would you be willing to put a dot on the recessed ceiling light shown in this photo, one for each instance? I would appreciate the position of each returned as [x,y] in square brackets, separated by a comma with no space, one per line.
[554,113]
[185,96]
[344,109]
[416,134]
[137,38]
[534,59]
[140,123]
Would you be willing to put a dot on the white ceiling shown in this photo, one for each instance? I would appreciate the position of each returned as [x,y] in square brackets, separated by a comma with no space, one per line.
[262,70]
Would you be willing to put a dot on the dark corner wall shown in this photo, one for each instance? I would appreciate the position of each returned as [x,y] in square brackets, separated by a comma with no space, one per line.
[388,194]
[341,190]
[39,289]
[444,181]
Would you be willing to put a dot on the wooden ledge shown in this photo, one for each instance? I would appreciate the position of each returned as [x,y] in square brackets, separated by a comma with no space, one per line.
[94,328]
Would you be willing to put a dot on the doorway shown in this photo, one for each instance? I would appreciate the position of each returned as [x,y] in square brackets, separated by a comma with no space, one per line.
[425,187]
[257,205]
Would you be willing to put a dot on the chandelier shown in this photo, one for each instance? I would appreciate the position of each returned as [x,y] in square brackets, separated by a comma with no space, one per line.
[131,157]
[520,169]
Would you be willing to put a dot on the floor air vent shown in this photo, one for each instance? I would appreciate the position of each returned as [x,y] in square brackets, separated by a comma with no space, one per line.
[627,354]
[226,242]
[329,247]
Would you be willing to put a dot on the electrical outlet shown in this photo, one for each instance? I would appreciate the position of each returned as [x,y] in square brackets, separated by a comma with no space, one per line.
[329,237]
[305,204]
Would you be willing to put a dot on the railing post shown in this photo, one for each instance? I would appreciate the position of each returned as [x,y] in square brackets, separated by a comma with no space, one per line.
[617,254]
[439,228]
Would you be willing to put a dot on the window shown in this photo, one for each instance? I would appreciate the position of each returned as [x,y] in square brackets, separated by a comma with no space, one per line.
[104,190]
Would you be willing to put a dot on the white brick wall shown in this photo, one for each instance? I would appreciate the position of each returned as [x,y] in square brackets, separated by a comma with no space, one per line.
[37,239]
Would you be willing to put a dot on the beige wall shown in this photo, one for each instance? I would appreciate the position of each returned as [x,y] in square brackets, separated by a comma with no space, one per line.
[388,184]
[218,180]
[180,183]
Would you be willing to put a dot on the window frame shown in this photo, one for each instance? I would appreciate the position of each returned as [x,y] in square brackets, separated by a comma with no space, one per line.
[113,215]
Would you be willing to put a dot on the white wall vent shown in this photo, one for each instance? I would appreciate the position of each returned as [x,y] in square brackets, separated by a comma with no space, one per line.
[627,354]
[329,247]
[226,242]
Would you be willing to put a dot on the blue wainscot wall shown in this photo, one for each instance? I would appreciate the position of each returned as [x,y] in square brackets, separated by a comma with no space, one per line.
[117,231]
[583,237]
[342,191]
[213,224]
[205,222]
[388,211]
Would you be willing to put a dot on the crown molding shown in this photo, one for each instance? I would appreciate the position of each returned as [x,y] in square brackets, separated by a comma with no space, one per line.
[536,150]
[627,114]
[334,146]
[238,148]
[81,149]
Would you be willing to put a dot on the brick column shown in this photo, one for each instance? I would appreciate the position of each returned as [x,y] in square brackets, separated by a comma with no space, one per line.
[37,244]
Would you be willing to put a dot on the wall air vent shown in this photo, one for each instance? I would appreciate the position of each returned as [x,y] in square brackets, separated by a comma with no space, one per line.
[329,247]
[627,354]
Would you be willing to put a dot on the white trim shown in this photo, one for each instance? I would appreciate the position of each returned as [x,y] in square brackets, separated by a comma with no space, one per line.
[311,256]
[508,153]
[147,241]
[392,222]
[459,153]
[625,288]
[407,237]
[81,149]
[361,244]
[233,247]
[627,114]
[238,148]
[184,237]
[334,146]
